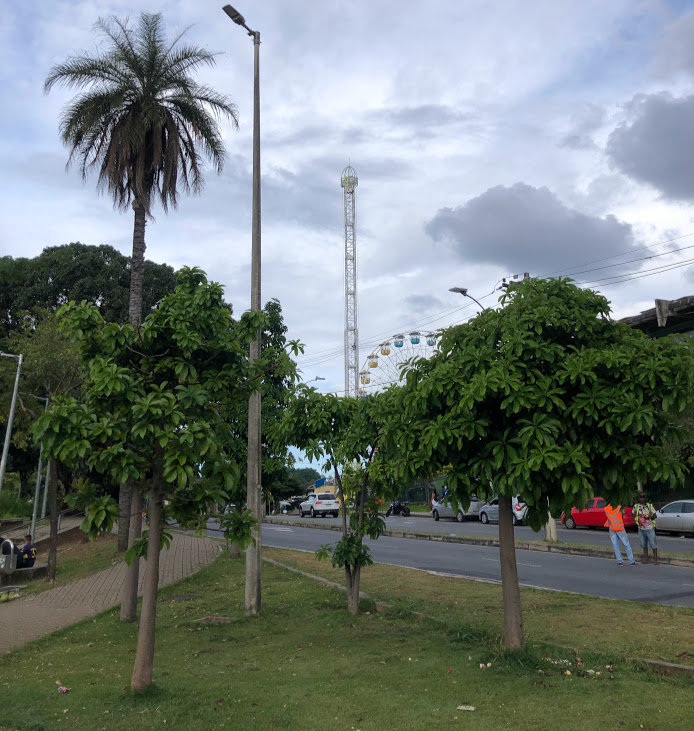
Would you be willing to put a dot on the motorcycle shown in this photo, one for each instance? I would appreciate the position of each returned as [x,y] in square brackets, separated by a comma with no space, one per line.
[397,508]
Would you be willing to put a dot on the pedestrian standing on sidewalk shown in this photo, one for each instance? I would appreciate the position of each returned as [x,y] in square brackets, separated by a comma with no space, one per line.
[615,522]
[644,517]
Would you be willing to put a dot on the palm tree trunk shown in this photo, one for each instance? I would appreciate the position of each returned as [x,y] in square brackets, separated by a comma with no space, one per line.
[137,265]
[137,270]
[124,499]
[144,659]
[510,590]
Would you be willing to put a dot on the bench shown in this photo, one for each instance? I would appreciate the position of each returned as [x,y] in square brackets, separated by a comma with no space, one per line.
[21,576]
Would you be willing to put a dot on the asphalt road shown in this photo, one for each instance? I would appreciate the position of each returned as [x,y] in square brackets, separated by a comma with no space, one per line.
[587,536]
[594,576]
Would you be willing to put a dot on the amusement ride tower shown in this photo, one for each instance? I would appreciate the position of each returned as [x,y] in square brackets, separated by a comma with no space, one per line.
[349,186]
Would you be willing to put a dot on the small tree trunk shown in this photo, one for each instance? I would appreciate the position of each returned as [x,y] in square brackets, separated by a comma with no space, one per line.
[53,509]
[513,614]
[144,659]
[124,499]
[137,265]
[128,604]
[353,590]
[551,529]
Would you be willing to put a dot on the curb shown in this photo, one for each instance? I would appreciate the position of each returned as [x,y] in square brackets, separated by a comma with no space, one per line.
[491,542]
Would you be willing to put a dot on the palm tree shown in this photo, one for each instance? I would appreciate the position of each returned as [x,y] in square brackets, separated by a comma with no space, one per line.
[143,121]
[147,126]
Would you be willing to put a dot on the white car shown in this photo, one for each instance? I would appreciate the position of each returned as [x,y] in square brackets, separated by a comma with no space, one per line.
[323,503]
[489,512]
[677,517]
[443,509]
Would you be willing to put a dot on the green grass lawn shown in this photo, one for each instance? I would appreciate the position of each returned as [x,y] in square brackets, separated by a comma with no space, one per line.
[77,560]
[585,623]
[308,664]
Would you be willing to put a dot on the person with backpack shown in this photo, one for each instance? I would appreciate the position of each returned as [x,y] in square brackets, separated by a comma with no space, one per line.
[615,522]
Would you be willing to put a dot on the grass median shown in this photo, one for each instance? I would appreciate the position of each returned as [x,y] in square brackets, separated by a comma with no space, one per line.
[307,664]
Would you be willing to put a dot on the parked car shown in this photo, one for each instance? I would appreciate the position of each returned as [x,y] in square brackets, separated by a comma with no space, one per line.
[443,509]
[489,512]
[593,515]
[292,503]
[324,503]
[677,517]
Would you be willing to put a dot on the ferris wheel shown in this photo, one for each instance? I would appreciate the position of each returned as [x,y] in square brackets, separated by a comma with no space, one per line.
[383,365]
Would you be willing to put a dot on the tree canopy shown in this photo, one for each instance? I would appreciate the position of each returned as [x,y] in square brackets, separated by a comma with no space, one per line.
[154,409]
[77,272]
[546,398]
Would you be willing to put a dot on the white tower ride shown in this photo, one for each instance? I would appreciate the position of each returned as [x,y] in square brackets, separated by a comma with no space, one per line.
[349,185]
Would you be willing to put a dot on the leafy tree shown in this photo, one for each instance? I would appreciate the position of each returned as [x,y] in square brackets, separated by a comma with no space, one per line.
[154,410]
[344,433]
[546,398]
[143,121]
[97,274]
[274,391]
[51,368]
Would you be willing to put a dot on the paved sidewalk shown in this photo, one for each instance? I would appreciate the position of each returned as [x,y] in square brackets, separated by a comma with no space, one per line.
[24,620]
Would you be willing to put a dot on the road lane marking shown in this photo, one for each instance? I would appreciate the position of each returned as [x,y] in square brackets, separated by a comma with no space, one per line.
[534,565]
[284,530]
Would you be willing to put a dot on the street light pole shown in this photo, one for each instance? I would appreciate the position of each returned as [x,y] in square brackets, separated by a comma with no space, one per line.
[254,485]
[464,292]
[10,419]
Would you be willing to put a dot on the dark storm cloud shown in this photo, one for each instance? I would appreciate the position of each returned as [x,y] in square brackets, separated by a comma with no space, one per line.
[656,145]
[523,228]
[423,303]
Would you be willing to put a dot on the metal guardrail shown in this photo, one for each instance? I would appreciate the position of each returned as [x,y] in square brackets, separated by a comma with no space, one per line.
[67,513]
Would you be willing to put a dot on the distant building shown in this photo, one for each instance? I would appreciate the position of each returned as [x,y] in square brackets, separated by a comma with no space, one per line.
[667,317]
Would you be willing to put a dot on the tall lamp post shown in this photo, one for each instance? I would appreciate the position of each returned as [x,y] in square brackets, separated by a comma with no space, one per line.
[10,419]
[254,496]
[465,293]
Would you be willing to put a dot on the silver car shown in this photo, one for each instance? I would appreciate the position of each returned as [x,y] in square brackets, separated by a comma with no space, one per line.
[677,517]
[489,512]
[443,509]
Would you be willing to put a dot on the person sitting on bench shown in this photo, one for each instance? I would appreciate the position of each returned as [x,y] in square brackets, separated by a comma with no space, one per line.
[28,553]
[7,547]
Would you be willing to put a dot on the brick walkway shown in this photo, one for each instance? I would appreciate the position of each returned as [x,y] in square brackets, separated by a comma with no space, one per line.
[51,610]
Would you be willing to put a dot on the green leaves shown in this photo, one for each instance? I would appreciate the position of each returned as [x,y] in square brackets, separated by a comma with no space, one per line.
[238,527]
[546,397]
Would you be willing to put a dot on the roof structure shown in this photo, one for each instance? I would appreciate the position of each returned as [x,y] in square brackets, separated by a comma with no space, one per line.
[667,317]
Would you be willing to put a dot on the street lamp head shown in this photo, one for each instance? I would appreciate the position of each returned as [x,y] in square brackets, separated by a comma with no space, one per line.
[234,15]
[459,290]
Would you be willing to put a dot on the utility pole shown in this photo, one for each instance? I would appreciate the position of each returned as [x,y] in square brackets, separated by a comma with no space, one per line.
[13,405]
[254,481]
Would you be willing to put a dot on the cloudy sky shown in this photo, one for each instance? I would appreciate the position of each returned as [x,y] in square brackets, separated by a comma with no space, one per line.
[490,139]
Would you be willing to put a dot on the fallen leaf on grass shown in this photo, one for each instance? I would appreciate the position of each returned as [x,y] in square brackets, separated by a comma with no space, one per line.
[220,702]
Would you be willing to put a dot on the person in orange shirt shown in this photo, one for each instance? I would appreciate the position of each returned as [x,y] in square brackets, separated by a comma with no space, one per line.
[615,522]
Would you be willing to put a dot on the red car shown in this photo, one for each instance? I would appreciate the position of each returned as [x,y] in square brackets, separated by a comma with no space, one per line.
[593,515]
